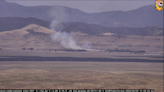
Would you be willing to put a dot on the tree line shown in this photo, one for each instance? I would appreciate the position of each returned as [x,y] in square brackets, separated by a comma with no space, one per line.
[124,50]
[27,49]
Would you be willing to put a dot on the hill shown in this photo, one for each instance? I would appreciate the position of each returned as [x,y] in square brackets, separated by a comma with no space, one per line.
[141,17]
[38,38]
[94,29]
[144,31]
[12,23]
[29,36]
[31,29]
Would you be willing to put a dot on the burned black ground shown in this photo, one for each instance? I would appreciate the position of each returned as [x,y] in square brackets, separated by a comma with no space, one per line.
[38,58]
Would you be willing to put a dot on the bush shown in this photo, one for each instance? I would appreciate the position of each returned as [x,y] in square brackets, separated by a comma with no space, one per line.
[31,49]
[23,48]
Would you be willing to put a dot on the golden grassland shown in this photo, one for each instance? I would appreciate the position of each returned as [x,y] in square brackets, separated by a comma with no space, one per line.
[80,75]
[148,43]
[21,38]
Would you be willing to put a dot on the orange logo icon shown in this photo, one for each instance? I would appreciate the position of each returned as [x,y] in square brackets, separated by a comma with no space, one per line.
[159,5]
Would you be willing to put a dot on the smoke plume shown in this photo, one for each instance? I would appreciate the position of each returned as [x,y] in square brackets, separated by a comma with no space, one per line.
[60,14]
[66,39]
[86,45]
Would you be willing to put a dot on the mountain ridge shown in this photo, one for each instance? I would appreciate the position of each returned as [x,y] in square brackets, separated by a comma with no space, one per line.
[140,17]
[12,23]
[39,38]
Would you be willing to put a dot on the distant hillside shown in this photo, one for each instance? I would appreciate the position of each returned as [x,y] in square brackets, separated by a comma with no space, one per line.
[141,17]
[11,23]
[38,38]
[94,29]
[30,35]
[145,31]
[31,29]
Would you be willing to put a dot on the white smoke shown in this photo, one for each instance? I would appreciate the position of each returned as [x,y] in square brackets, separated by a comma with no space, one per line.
[86,45]
[66,39]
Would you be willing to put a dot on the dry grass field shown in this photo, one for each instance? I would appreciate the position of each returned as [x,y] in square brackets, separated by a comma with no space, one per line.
[22,69]
[21,38]
[81,75]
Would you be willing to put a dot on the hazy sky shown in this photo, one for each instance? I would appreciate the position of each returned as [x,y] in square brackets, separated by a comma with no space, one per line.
[90,6]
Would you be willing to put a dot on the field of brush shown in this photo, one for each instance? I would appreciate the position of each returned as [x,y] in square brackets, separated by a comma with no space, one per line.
[43,69]
[41,55]
[151,44]
[81,75]
[39,69]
